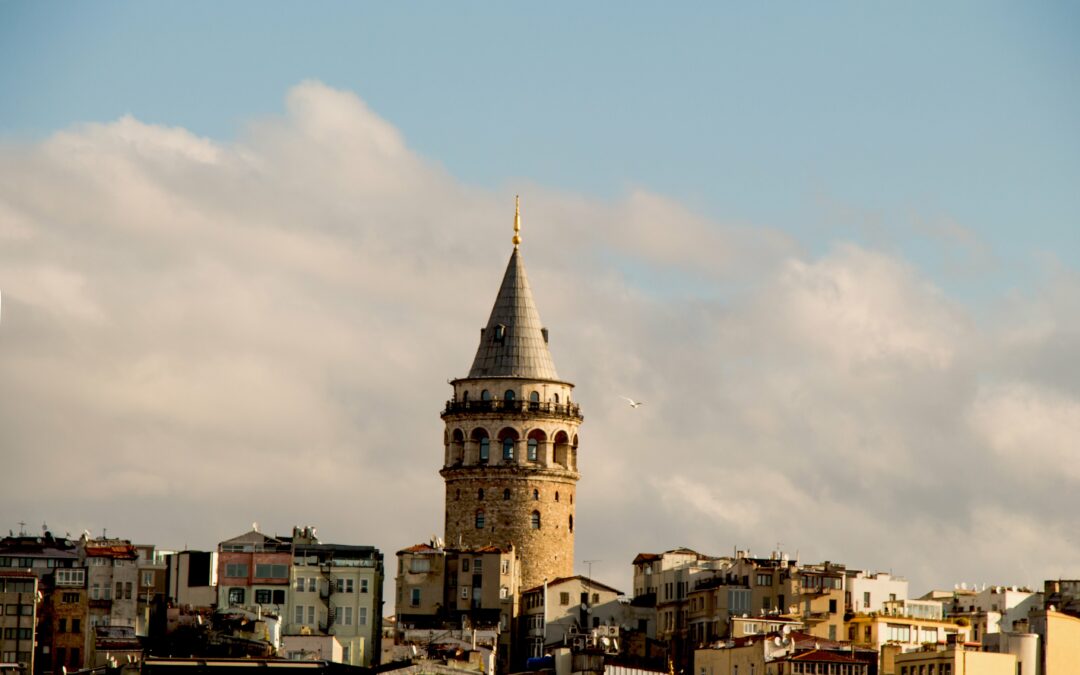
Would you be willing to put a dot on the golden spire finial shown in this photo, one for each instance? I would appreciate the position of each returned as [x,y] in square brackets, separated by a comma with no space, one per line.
[517,221]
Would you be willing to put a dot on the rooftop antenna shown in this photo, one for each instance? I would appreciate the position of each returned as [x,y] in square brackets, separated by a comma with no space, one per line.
[22,528]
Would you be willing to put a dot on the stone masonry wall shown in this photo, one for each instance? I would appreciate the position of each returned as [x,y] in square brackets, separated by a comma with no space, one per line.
[547,552]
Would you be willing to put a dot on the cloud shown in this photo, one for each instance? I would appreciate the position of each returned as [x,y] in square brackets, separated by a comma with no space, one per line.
[200,334]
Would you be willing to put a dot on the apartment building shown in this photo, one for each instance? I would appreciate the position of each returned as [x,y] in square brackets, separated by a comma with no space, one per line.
[336,590]
[18,621]
[438,587]
[253,573]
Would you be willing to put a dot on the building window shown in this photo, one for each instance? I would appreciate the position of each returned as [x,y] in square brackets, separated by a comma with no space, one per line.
[571,523]
[564,599]
[485,449]
[505,567]
[76,626]
[311,614]
[480,519]
[69,597]
[147,578]
[236,596]
[536,495]
[312,584]
[866,599]
[556,495]
[464,592]
[535,520]
[128,587]
[485,395]
[119,590]
[61,626]
[478,565]
[480,494]
[508,449]
[299,614]
[508,395]
[345,585]
[506,494]
[465,562]
[346,615]
[71,577]
[464,397]
[362,617]
[236,569]
[533,444]
[363,585]
[414,597]
[270,571]
[300,581]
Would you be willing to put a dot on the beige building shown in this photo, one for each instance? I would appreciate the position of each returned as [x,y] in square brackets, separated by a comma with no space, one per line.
[112,579]
[18,623]
[783,653]
[561,608]
[897,634]
[954,659]
[511,440]
[441,589]
[1060,635]
[335,591]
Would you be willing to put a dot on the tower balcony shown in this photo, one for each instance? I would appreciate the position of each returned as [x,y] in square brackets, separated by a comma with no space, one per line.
[564,410]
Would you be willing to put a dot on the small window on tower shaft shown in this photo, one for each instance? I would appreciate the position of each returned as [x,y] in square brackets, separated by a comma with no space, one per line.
[535,520]
[480,494]
[500,333]
[536,495]
[509,395]
[506,493]
[556,495]
[464,397]
[480,519]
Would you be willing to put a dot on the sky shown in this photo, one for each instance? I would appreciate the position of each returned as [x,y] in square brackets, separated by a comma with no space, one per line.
[834,249]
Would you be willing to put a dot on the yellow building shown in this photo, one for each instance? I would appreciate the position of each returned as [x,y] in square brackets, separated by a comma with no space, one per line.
[954,659]
[1061,644]
[901,634]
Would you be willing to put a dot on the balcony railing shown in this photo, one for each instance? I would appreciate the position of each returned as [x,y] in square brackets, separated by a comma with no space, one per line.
[571,410]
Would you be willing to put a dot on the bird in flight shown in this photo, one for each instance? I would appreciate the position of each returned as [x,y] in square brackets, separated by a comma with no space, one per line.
[632,402]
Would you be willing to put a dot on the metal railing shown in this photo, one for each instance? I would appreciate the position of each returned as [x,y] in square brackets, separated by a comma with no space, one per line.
[501,405]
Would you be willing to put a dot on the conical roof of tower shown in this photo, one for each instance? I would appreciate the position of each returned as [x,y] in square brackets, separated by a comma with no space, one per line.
[513,343]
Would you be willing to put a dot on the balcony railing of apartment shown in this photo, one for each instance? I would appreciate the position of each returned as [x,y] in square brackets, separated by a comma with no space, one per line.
[570,410]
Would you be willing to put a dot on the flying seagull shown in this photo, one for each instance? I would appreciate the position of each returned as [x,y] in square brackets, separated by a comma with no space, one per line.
[632,402]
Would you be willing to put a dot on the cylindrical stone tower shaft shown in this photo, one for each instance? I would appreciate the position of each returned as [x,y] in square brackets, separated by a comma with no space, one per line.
[511,441]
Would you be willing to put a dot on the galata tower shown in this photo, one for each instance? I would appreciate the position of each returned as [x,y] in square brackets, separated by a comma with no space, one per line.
[511,440]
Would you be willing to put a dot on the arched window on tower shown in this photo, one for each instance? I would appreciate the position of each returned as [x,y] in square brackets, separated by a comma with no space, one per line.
[480,519]
[506,494]
[532,449]
[536,495]
[485,449]
[508,395]
[534,401]
[535,520]
[464,397]
[556,399]
[485,395]
[508,449]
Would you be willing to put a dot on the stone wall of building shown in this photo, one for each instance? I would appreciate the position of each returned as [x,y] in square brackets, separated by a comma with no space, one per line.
[510,498]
